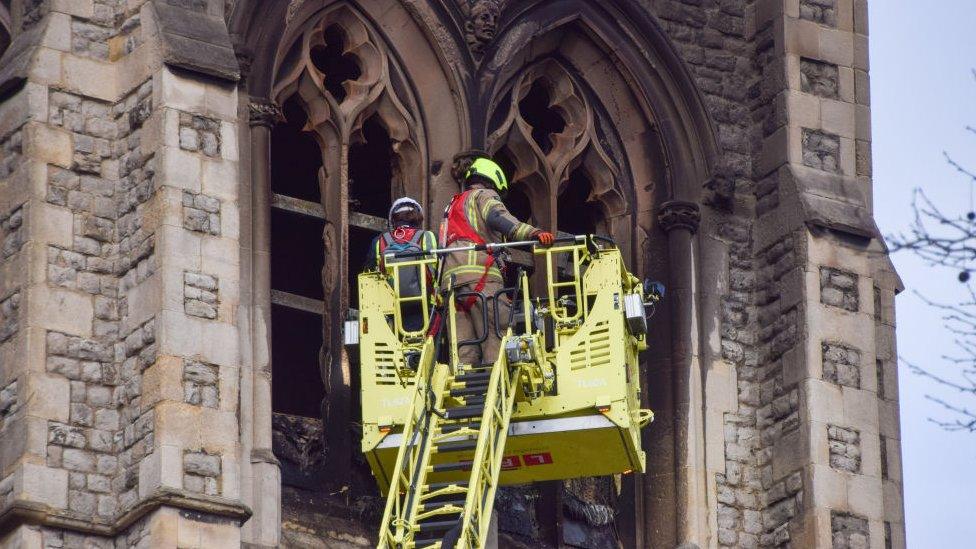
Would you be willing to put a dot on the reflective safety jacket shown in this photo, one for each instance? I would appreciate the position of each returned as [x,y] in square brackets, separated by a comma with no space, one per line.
[488,221]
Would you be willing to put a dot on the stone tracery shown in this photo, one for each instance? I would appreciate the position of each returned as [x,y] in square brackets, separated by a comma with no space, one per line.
[547,145]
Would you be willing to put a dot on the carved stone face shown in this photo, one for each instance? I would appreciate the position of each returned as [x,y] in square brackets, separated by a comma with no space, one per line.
[484,21]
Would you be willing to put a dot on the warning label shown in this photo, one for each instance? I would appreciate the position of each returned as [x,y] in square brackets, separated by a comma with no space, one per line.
[510,462]
[543,458]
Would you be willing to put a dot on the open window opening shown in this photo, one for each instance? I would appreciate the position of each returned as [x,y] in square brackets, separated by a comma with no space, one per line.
[575,212]
[517,199]
[371,168]
[536,109]
[370,195]
[336,64]
[297,259]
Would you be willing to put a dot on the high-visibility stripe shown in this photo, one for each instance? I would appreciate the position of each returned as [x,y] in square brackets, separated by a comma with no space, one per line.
[473,269]
[523,231]
[486,209]
[472,218]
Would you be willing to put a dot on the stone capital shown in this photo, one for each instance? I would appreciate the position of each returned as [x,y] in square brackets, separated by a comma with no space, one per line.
[263,112]
[679,214]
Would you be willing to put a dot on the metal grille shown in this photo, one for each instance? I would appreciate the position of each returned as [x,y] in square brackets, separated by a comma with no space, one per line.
[385,361]
[594,350]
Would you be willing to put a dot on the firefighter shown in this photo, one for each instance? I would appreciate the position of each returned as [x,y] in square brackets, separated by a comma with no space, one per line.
[478,216]
[406,217]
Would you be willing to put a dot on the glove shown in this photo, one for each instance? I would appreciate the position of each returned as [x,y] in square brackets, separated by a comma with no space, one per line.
[545,238]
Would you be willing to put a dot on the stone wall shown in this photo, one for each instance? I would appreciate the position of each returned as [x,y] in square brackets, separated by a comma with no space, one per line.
[124,299]
[85,205]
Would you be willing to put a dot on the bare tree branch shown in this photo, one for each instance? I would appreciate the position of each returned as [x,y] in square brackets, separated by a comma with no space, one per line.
[947,240]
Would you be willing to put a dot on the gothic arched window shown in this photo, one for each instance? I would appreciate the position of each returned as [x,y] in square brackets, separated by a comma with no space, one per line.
[348,145]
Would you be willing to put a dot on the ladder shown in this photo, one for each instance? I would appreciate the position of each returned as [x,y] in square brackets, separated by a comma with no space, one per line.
[437,500]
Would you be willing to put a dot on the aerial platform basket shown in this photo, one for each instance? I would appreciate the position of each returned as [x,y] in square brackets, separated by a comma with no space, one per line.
[576,403]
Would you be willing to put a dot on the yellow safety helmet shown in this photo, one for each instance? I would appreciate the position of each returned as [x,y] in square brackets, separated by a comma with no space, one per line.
[490,170]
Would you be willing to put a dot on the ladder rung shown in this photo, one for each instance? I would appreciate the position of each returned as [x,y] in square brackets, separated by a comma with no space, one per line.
[475,399]
[434,486]
[457,446]
[450,428]
[452,466]
[462,412]
[437,504]
[442,511]
[473,376]
[437,525]
[444,494]
[469,390]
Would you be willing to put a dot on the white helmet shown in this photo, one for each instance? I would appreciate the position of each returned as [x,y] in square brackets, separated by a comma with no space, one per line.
[402,205]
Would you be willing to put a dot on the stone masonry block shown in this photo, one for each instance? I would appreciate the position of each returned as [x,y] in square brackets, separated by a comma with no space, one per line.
[12,232]
[51,145]
[9,322]
[200,134]
[201,472]
[862,159]
[9,403]
[841,364]
[819,11]
[849,531]
[845,448]
[821,150]
[201,384]
[201,213]
[200,295]
[839,288]
[819,78]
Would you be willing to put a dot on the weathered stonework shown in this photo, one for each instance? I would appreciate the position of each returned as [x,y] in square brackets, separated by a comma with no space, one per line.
[200,295]
[199,133]
[819,78]
[9,403]
[849,531]
[839,289]
[845,448]
[841,364]
[9,317]
[201,472]
[11,148]
[200,384]
[819,11]
[11,232]
[201,213]
[103,37]
[137,537]
[784,501]
[863,162]
[821,150]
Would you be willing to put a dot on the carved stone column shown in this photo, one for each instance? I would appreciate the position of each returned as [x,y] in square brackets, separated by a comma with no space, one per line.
[262,116]
[680,220]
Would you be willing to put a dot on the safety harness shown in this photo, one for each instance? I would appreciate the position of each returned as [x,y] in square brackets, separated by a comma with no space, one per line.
[403,239]
[457,227]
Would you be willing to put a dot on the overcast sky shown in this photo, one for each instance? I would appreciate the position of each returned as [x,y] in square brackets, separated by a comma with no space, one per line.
[923,95]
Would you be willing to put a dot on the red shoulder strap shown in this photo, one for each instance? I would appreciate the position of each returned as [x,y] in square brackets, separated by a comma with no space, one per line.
[458,225]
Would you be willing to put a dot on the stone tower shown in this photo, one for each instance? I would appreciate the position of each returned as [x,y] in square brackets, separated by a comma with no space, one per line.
[187,188]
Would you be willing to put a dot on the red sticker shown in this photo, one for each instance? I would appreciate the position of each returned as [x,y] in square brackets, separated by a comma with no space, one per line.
[544,458]
[511,462]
